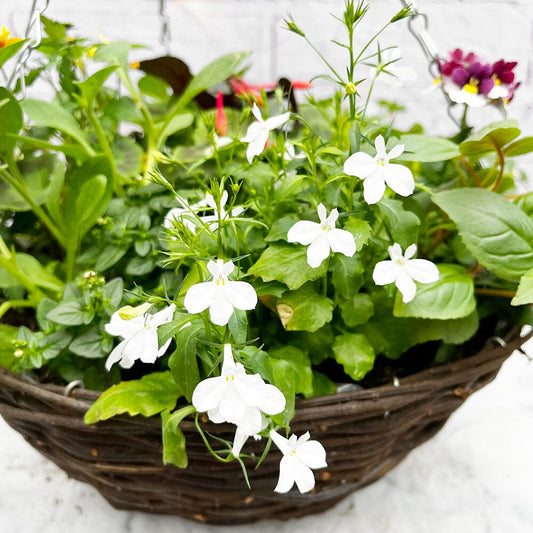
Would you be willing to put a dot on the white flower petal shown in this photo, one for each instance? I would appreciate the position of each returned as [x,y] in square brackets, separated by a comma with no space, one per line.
[397,151]
[238,442]
[273,123]
[379,144]
[281,442]
[199,297]
[208,393]
[360,165]
[303,476]
[406,286]
[251,421]
[422,270]
[374,187]
[271,400]
[241,295]
[341,241]
[163,316]
[286,475]
[232,408]
[257,113]
[410,251]
[253,131]
[116,355]
[400,179]
[318,250]
[226,268]
[257,145]
[312,454]
[322,212]
[385,272]
[220,310]
[395,252]
[118,326]
[304,232]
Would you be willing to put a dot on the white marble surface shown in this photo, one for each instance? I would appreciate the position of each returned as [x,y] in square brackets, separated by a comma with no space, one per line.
[475,476]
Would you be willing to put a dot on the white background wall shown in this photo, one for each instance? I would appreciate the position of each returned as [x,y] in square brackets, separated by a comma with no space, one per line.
[201,30]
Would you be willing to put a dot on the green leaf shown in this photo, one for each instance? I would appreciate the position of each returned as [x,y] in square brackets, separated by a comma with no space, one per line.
[356,310]
[520,147]
[90,87]
[52,115]
[10,119]
[354,353]
[238,326]
[402,224]
[493,137]
[31,268]
[347,274]
[128,156]
[304,309]
[524,293]
[497,233]
[113,290]
[175,124]
[7,335]
[361,231]
[9,51]
[425,149]
[155,87]
[173,438]
[288,264]
[281,226]
[146,396]
[110,256]
[88,196]
[322,385]
[183,362]
[452,296]
[115,53]
[68,313]
[214,73]
[88,345]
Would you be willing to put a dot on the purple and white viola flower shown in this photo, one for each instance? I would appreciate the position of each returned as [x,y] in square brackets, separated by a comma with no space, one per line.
[138,328]
[258,132]
[238,398]
[220,295]
[322,237]
[300,457]
[377,172]
[404,271]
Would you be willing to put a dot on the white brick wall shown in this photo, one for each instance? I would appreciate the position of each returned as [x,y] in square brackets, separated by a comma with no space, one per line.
[201,30]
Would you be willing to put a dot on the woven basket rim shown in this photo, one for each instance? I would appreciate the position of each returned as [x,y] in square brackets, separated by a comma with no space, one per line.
[80,399]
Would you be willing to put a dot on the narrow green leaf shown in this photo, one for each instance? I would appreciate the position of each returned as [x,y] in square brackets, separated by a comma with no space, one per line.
[52,115]
[452,296]
[497,233]
[90,87]
[520,147]
[10,120]
[146,396]
[288,264]
[175,124]
[524,293]
[354,353]
[9,51]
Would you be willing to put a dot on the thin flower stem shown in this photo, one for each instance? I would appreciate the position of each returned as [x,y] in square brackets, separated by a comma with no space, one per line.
[208,446]
[17,182]
[326,62]
[471,170]
[6,306]
[496,292]
[501,163]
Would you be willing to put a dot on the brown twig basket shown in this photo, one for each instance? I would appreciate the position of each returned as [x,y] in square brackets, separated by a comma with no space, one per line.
[365,433]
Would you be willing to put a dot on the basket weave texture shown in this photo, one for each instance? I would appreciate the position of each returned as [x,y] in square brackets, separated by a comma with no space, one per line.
[365,434]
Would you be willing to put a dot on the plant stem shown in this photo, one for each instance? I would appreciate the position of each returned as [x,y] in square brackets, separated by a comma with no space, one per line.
[501,163]
[6,306]
[18,184]
[496,292]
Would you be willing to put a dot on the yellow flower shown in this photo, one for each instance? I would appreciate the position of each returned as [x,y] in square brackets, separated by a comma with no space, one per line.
[5,40]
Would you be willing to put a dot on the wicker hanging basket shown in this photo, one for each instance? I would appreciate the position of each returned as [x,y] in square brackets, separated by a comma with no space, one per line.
[365,433]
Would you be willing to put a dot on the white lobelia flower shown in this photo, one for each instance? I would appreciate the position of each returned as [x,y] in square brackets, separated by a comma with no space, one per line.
[257,133]
[300,457]
[322,237]
[138,328]
[220,295]
[238,398]
[219,214]
[183,215]
[402,270]
[377,171]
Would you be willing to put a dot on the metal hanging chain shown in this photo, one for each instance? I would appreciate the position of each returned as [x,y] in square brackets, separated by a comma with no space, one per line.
[33,26]
[164,37]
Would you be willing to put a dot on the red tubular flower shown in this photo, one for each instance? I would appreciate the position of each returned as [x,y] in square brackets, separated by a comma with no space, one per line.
[221,120]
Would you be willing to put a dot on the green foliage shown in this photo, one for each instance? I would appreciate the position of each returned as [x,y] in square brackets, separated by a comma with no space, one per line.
[147,396]
[354,353]
[497,233]
[524,293]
